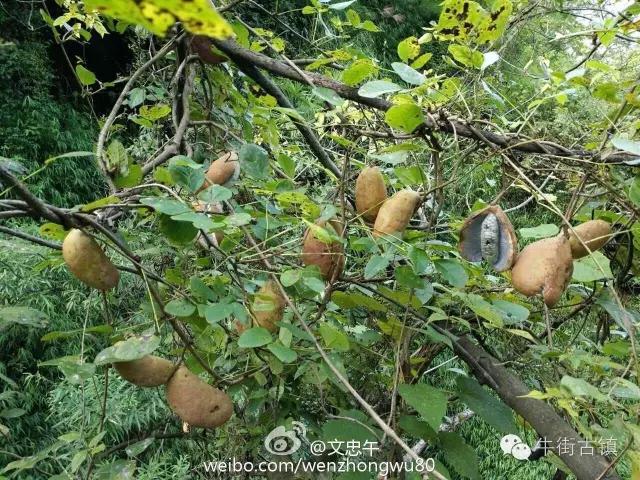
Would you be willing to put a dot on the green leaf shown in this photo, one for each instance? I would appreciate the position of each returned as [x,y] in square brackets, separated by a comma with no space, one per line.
[186,172]
[429,402]
[512,312]
[334,338]
[180,307]
[118,470]
[581,388]
[491,409]
[155,112]
[117,158]
[219,311]
[460,456]
[377,88]
[177,233]
[26,316]
[12,412]
[404,116]
[284,354]
[138,447]
[165,205]
[354,299]
[132,178]
[101,202]
[627,145]
[407,278]
[541,231]
[290,277]
[328,95]
[133,348]
[254,161]
[344,430]
[255,337]
[452,271]
[586,269]
[634,191]
[342,5]
[408,49]
[408,74]
[359,71]
[215,194]
[483,309]
[375,265]
[86,77]
[157,16]
[466,56]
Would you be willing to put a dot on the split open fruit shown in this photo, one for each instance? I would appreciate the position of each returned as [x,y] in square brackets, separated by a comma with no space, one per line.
[488,235]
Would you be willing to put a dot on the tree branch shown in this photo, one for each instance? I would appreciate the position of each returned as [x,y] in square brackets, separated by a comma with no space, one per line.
[441,122]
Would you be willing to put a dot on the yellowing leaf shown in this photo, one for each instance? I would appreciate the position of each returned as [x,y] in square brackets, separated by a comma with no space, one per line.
[157,16]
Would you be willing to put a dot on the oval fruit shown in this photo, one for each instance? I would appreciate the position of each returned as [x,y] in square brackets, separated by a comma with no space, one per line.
[371,193]
[268,306]
[395,213]
[148,371]
[222,171]
[88,262]
[196,402]
[488,234]
[328,257]
[544,267]
[594,233]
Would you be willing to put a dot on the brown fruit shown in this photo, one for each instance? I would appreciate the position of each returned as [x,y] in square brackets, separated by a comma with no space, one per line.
[488,234]
[223,170]
[268,306]
[148,371]
[371,193]
[202,46]
[544,267]
[88,262]
[395,213]
[594,233]
[197,403]
[328,257]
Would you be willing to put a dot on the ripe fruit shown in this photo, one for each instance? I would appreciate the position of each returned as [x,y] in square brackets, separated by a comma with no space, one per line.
[223,171]
[395,213]
[88,262]
[148,371]
[197,403]
[328,257]
[371,193]
[268,306]
[594,233]
[544,267]
[488,234]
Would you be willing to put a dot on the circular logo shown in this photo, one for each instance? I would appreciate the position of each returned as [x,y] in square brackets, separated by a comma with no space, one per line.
[281,441]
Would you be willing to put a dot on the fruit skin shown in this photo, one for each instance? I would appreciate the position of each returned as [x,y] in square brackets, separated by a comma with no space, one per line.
[148,371]
[197,403]
[544,267]
[222,171]
[471,236]
[88,262]
[594,233]
[268,306]
[395,213]
[328,257]
[371,193]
